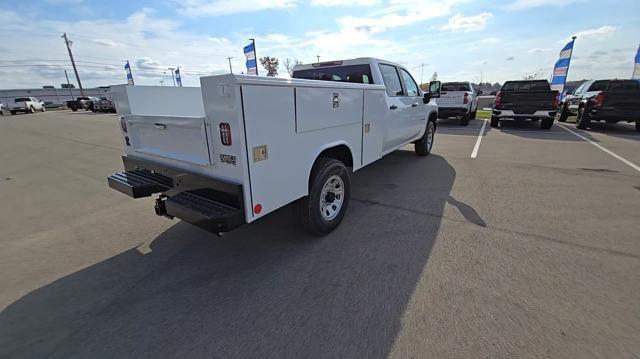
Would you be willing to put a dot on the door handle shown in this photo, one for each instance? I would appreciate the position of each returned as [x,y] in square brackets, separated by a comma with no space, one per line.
[393,107]
[415,104]
[160,126]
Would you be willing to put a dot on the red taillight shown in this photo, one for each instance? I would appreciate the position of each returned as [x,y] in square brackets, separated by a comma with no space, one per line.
[225,134]
[498,100]
[123,124]
[556,102]
[466,98]
[599,100]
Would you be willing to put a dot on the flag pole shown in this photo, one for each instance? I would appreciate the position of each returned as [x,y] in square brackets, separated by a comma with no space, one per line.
[255,53]
[566,77]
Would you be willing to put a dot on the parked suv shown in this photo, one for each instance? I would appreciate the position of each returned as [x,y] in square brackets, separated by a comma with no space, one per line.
[459,100]
[611,101]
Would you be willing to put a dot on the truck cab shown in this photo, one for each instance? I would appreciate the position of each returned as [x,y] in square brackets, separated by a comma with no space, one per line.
[240,147]
[406,109]
[459,100]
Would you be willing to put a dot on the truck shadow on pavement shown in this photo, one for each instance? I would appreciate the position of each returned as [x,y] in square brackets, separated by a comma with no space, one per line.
[264,290]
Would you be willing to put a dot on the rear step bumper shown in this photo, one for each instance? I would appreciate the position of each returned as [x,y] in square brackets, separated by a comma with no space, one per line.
[210,204]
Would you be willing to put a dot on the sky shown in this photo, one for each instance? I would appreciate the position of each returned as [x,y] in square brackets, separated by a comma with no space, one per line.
[496,40]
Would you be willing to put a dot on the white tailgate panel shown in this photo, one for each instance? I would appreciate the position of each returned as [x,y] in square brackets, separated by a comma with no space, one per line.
[451,99]
[179,138]
[316,109]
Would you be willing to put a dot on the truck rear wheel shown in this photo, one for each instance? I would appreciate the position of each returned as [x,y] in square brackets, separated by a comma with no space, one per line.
[323,209]
[424,145]
[464,120]
[638,125]
[546,123]
[495,121]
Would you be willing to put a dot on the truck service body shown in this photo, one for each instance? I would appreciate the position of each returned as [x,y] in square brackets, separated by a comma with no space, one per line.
[240,147]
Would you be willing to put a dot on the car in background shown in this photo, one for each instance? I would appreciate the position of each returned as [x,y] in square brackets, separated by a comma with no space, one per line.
[611,101]
[459,100]
[2,108]
[26,105]
[51,104]
[82,103]
[526,100]
[106,105]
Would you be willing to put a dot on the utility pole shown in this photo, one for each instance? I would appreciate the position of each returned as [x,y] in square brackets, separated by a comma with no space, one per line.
[172,76]
[421,72]
[73,63]
[231,69]
[318,57]
[68,84]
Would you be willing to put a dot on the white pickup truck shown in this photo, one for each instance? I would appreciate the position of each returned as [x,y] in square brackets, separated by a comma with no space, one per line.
[240,147]
[26,105]
[459,100]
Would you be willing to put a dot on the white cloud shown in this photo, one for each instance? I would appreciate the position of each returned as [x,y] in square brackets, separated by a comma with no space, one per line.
[344,2]
[538,50]
[199,8]
[399,13]
[108,42]
[529,4]
[596,33]
[459,22]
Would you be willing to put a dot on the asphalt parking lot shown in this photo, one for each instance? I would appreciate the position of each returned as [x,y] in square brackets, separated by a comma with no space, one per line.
[530,248]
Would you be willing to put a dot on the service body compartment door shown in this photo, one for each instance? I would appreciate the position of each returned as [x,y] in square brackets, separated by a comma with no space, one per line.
[178,138]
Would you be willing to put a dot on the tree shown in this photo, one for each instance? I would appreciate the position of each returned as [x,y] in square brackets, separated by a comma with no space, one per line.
[290,64]
[434,77]
[270,64]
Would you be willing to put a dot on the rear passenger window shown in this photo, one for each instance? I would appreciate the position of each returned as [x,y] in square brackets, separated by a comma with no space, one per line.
[412,88]
[391,80]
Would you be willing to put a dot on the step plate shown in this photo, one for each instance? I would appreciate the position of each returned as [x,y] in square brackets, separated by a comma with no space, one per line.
[199,208]
[139,183]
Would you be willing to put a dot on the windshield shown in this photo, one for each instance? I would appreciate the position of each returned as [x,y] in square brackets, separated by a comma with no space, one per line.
[455,86]
[359,74]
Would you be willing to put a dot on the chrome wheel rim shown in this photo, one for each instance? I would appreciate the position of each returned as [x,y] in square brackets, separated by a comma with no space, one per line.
[332,197]
[430,137]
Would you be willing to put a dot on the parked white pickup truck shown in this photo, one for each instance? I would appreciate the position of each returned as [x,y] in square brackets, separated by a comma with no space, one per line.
[459,100]
[26,105]
[240,147]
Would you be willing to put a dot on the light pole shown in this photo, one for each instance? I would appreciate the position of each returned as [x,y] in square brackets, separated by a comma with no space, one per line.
[318,57]
[172,76]
[230,68]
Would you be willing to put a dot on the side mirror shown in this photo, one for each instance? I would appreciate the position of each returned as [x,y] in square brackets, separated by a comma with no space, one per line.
[434,89]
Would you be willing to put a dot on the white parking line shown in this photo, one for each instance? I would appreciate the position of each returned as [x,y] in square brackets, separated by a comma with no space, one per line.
[618,157]
[474,154]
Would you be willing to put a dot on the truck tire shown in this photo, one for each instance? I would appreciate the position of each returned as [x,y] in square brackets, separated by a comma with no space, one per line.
[31,109]
[42,109]
[546,123]
[564,114]
[74,109]
[464,121]
[638,125]
[473,114]
[495,121]
[323,209]
[424,145]
[582,121]
[13,112]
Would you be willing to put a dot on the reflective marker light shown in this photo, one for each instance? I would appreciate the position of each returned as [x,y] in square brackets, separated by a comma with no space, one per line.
[257,208]
[225,134]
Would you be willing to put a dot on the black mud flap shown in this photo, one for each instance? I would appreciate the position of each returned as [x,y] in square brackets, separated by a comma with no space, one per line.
[199,208]
[139,183]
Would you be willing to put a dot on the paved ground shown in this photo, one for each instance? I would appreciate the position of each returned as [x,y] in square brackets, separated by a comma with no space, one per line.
[531,249]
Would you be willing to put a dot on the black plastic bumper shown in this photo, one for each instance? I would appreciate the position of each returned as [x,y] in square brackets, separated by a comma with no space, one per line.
[447,112]
[211,204]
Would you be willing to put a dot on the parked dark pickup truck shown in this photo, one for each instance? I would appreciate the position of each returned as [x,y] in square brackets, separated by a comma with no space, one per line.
[528,99]
[611,101]
[83,102]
